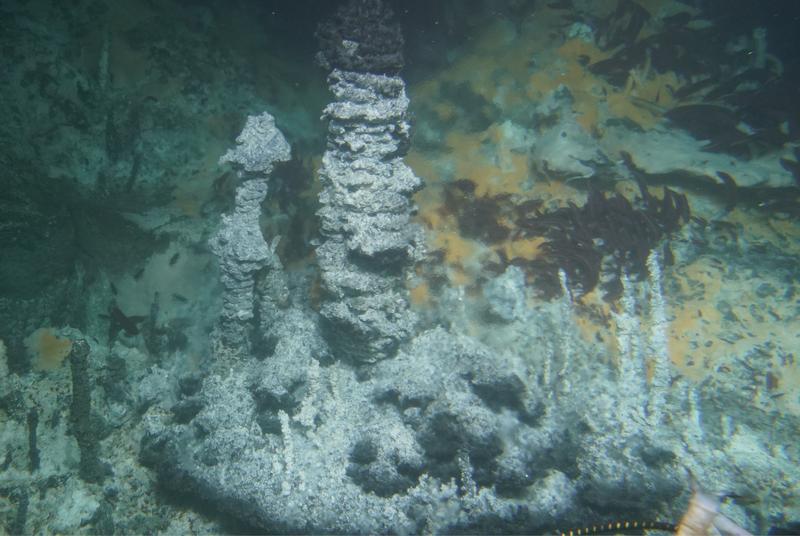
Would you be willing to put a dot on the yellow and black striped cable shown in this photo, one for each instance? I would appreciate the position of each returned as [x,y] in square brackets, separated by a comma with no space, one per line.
[619,527]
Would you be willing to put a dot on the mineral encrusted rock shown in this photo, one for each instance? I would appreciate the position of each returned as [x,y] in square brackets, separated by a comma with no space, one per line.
[239,244]
[349,468]
[369,241]
[259,146]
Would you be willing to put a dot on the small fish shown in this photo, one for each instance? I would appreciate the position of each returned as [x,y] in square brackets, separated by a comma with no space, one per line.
[174,259]
[138,275]
[121,321]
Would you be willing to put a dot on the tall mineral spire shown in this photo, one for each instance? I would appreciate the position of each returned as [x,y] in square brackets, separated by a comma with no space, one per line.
[369,242]
[238,243]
